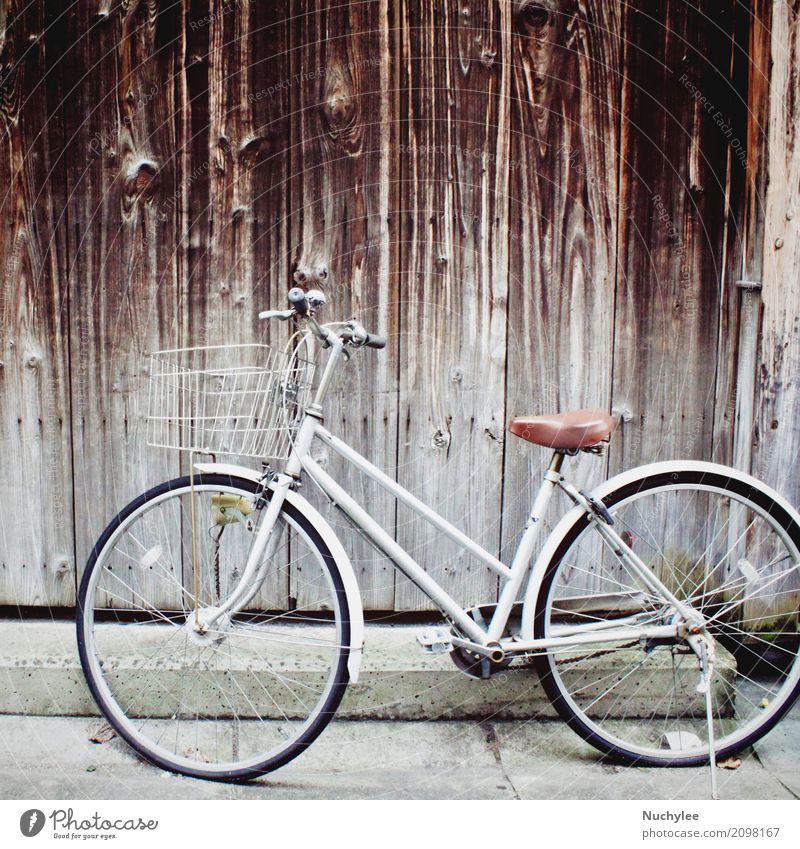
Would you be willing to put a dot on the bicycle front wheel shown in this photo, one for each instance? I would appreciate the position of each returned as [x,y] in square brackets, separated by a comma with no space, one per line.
[245,694]
[724,546]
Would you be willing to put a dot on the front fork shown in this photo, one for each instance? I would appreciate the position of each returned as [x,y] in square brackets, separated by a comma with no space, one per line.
[268,532]
[258,560]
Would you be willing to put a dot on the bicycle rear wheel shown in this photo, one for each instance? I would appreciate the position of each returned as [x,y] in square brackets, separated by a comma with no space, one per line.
[248,693]
[724,546]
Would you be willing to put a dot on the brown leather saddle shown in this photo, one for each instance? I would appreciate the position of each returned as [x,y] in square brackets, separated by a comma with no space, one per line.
[573,431]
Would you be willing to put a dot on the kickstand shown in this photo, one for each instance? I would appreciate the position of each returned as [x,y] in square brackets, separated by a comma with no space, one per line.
[705,687]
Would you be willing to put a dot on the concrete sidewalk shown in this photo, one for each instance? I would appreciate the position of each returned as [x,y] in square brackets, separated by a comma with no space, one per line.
[414,727]
[52,758]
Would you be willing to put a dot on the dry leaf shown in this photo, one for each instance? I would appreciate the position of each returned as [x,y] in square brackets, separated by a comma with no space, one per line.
[101,732]
[730,763]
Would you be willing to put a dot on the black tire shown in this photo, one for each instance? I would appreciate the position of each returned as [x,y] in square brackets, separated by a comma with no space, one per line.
[103,676]
[749,658]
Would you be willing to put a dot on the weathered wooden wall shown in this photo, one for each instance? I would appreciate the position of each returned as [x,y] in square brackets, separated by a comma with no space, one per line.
[544,204]
[777,431]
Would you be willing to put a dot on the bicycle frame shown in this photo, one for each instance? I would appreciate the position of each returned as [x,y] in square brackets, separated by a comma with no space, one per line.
[482,640]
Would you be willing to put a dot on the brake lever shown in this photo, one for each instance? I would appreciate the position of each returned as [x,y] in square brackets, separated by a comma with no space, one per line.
[281,314]
[358,335]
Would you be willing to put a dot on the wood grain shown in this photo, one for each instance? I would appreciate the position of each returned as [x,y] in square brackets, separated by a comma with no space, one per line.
[126,178]
[777,435]
[342,83]
[673,176]
[37,559]
[565,115]
[744,245]
[540,202]
[237,196]
[456,73]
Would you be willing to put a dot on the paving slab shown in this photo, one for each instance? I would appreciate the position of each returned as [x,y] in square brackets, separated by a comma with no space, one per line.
[555,766]
[52,758]
[779,751]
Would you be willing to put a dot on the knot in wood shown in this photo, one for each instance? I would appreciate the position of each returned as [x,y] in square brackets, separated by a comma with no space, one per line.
[63,568]
[142,179]
[339,105]
[488,57]
[441,439]
[534,15]
[252,149]
[305,275]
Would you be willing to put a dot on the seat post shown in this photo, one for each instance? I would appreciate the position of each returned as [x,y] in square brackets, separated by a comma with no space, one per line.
[555,462]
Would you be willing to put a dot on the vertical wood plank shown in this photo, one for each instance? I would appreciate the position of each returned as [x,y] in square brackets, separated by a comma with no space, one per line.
[456,63]
[673,189]
[747,179]
[342,87]
[125,170]
[240,139]
[37,564]
[565,117]
[777,434]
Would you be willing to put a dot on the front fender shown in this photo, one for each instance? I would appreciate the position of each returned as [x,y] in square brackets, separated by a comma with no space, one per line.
[334,545]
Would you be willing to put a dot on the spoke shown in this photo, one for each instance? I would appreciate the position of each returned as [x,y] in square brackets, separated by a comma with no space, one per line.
[614,686]
[755,595]
[172,616]
[742,581]
[167,573]
[693,535]
[133,592]
[268,637]
[727,553]
[171,692]
[706,576]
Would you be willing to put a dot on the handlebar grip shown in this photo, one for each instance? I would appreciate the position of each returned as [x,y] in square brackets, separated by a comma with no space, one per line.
[375,341]
[297,298]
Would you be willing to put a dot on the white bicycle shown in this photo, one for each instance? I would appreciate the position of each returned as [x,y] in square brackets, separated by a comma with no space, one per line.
[219,618]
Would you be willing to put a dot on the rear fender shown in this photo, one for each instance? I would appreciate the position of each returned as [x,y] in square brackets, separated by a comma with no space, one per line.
[563,527]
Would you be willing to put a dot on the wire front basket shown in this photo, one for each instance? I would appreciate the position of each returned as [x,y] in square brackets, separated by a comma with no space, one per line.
[242,400]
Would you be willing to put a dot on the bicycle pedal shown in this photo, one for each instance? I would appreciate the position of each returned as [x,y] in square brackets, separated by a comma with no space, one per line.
[435,640]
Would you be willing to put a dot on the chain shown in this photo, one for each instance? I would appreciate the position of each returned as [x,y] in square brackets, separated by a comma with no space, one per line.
[529,661]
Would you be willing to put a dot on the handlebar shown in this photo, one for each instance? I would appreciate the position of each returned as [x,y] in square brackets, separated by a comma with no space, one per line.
[375,341]
[297,299]
[304,304]
[359,336]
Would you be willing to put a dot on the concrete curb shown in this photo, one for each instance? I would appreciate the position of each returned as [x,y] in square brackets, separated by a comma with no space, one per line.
[42,676]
